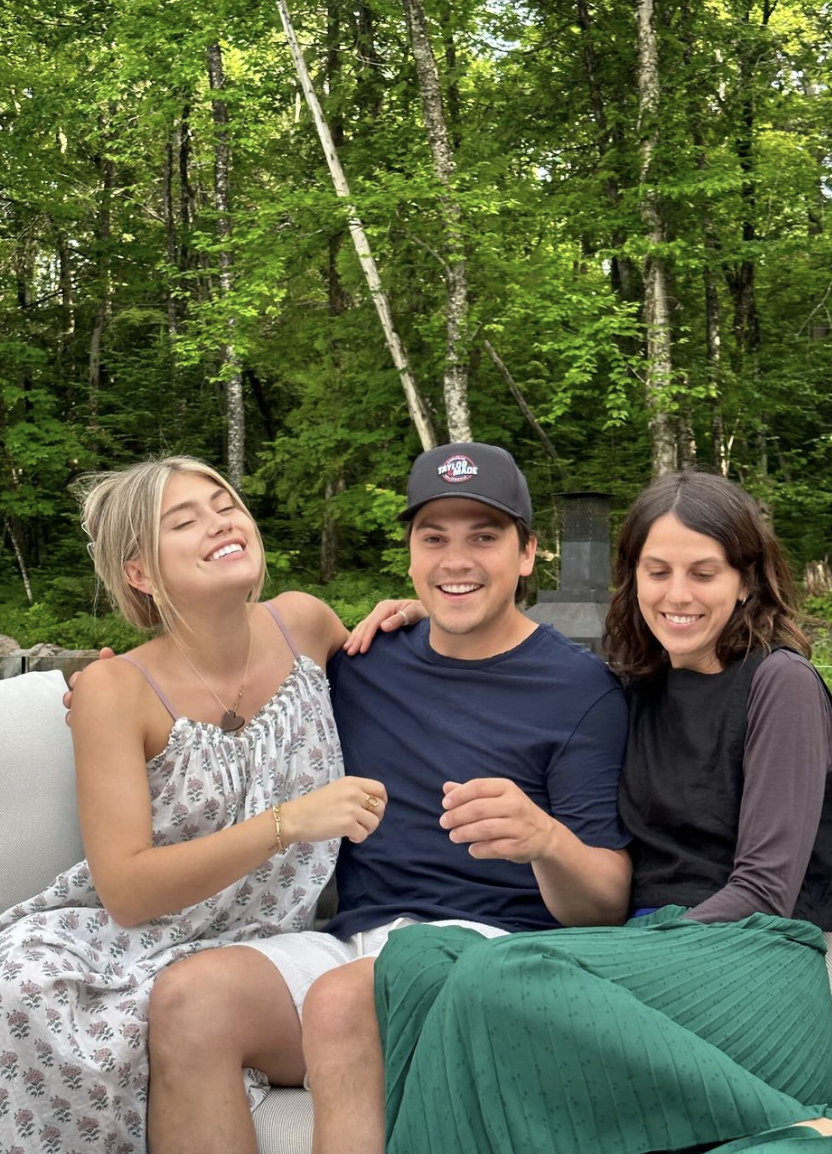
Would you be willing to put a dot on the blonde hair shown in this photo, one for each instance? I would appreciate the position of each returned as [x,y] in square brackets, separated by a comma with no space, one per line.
[120,513]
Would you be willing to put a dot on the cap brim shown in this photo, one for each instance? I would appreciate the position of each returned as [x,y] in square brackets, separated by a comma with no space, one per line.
[411,511]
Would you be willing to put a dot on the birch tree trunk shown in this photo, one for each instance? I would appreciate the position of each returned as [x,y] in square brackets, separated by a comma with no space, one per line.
[232,375]
[415,401]
[456,278]
[21,560]
[656,314]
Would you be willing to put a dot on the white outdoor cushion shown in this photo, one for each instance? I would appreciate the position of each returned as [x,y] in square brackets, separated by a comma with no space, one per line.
[284,1122]
[37,786]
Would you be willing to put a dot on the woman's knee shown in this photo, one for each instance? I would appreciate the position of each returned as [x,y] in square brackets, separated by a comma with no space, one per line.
[195,1002]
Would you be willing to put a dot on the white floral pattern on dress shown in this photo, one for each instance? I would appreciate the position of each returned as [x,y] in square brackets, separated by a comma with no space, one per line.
[74,985]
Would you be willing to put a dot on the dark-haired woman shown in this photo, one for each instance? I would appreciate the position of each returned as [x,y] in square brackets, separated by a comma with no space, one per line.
[706,1019]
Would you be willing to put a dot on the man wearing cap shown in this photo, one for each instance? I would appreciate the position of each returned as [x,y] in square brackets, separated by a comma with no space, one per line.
[499,743]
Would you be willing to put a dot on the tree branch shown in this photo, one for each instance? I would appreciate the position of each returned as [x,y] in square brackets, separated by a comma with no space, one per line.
[523,405]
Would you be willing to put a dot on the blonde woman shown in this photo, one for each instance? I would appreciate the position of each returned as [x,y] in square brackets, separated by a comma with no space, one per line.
[211,801]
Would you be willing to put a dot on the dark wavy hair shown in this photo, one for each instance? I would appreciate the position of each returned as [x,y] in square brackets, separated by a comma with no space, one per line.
[719,509]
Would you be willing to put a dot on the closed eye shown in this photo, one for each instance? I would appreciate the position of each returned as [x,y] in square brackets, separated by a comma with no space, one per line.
[663,574]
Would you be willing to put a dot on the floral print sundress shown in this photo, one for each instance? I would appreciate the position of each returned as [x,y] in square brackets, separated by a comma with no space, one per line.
[74,985]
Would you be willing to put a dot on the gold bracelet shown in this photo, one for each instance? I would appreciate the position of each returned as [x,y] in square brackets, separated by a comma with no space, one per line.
[278,840]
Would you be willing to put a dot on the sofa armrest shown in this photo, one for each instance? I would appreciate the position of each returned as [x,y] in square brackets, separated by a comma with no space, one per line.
[39,835]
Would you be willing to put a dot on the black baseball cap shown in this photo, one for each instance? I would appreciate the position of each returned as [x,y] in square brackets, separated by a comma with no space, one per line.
[472,470]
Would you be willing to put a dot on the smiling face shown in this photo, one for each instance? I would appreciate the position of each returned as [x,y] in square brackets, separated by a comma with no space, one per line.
[465,562]
[687,592]
[207,543]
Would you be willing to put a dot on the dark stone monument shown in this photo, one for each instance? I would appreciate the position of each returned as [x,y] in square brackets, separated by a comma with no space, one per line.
[579,606]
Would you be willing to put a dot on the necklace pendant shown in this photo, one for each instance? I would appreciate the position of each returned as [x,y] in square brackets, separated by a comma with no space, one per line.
[231,721]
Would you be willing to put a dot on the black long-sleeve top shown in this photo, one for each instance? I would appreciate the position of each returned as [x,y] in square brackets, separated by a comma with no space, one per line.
[727,790]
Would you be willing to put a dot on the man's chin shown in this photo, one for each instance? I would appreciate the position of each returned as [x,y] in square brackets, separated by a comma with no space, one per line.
[456,627]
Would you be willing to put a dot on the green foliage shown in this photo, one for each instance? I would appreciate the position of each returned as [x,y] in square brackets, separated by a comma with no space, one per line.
[353,595]
[41,623]
[819,609]
[821,638]
[115,328]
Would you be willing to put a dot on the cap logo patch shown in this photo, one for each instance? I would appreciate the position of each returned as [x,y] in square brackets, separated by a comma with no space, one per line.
[457,469]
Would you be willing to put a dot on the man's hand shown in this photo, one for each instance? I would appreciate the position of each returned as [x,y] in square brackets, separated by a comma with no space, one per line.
[73,681]
[497,820]
[388,616]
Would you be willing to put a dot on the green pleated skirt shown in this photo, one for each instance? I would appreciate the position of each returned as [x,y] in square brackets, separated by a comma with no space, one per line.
[661,1035]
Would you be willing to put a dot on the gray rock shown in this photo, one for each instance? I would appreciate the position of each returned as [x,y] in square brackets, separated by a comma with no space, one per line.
[44,649]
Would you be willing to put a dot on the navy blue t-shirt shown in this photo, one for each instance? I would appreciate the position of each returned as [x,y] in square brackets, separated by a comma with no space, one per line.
[546,714]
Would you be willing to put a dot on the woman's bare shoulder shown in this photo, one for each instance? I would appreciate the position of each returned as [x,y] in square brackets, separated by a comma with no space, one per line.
[116,675]
[311,622]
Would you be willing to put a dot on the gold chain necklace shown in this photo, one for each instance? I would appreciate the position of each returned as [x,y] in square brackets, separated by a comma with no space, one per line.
[231,720]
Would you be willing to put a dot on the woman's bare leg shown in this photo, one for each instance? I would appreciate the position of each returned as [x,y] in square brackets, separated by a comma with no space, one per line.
[211,1015]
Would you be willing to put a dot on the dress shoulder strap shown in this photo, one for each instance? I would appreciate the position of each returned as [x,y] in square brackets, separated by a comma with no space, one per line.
[152,683]
[284,629]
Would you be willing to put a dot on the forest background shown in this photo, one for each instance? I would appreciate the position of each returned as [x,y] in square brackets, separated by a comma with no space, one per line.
[601,233]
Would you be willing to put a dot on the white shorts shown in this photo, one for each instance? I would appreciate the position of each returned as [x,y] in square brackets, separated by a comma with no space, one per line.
[303,957]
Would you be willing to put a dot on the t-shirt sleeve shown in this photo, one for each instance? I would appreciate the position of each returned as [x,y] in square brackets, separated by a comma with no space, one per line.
[583,775]
[787,754]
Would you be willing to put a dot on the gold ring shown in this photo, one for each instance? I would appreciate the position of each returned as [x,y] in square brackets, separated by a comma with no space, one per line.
[372,802]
